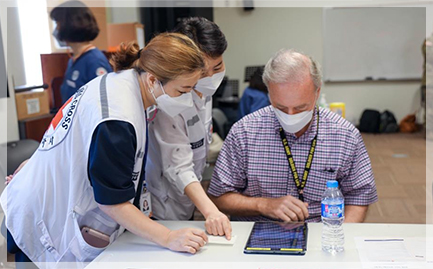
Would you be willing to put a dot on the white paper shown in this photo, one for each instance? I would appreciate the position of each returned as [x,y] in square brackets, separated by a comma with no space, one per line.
[391,253]
[221,240]
[429,251]
[33,106]
[417,247]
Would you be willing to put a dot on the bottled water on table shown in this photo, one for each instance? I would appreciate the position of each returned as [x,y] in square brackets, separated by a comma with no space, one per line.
[332,218]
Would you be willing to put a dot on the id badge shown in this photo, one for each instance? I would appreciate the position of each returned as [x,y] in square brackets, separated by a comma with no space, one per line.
[145,202]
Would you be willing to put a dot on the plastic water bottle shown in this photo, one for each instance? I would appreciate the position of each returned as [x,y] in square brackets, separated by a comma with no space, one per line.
[332,218]
[322,101]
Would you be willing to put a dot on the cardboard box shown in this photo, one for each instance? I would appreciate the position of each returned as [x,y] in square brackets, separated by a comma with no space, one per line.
[124,32]
[32,104]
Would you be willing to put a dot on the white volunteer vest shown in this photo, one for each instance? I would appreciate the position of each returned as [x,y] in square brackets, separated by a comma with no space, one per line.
[51,198]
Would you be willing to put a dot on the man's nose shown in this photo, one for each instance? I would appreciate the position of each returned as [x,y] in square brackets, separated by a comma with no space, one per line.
[290,111]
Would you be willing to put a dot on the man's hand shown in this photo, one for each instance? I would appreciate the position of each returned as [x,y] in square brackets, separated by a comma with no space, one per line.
[286,208]
[218,223]
[186,240]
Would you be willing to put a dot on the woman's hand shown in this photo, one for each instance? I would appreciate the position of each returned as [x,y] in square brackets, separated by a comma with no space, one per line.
[10,177]
[186,240]
[218,223]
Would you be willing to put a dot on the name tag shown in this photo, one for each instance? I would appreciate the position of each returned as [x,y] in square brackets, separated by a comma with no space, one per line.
[146,202]
[197,144]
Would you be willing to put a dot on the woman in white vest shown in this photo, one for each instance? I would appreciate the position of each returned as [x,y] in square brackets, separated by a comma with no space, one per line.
[177,159]
[88,173]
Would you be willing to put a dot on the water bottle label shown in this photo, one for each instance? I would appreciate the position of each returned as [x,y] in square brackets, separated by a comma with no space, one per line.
[332,211]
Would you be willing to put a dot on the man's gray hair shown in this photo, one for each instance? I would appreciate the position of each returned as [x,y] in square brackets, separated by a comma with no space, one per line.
[289,65]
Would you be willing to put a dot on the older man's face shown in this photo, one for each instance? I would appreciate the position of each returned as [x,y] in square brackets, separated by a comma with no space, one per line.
[294,97]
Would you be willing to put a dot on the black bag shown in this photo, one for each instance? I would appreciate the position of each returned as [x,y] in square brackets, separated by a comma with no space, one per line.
[370,121]
[388,123]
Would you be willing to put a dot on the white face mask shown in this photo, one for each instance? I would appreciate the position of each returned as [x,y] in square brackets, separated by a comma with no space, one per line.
[208,85]
[173,106]
[293,123]
[56,36]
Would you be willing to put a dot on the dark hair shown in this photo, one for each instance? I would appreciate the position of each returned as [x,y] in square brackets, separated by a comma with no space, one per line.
[206,35]
[76,22]
[256,80]
[167,56]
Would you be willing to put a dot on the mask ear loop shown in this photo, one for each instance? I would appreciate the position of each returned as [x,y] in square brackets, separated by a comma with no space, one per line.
[162,88]
[151,91]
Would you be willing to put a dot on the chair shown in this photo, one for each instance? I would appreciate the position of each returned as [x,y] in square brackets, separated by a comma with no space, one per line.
[250,70]
[56,95]
[19,151]
[220,121]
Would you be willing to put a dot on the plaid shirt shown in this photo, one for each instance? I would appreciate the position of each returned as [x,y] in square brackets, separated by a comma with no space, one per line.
[253,162]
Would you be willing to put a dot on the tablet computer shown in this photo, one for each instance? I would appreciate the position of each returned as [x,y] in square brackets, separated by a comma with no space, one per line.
[277,238]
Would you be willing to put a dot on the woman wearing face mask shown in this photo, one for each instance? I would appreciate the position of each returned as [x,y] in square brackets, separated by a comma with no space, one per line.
[76,27]
[88,172]
[177,157]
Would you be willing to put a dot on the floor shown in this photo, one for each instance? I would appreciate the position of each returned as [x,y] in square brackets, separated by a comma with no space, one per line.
[399,166]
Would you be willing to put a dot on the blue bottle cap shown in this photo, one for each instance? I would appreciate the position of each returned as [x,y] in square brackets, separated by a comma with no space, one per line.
[332,184]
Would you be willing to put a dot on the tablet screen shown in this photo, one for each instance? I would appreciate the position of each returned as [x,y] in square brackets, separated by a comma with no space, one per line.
[277,237]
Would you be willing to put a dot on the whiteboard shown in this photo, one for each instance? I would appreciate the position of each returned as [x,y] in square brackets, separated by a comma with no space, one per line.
[380,43]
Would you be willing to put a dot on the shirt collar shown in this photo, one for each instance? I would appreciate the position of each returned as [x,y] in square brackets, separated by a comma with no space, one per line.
[308,135]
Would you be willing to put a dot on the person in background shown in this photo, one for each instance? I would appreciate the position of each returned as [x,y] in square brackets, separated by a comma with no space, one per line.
[87,62]
[76,27]
[255,96]
[253,179]
[88,171]
[177,158]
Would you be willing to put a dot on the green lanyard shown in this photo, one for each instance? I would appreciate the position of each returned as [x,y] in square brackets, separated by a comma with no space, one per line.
[300,185]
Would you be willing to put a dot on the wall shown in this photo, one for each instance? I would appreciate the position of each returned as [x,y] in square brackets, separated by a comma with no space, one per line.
[429,24]
[10,34]
[255,36]
[124,15]
[121,12]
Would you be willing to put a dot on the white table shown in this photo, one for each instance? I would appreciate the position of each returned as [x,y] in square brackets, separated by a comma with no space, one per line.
[130,251]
